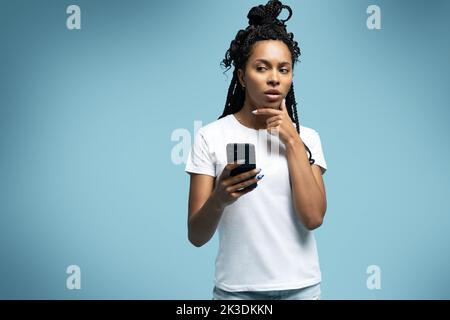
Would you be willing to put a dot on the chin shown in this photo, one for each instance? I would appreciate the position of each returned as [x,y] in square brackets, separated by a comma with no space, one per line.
[273,105]
[267,104]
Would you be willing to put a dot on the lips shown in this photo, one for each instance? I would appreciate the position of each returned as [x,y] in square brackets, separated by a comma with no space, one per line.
[272,95]
[272,91]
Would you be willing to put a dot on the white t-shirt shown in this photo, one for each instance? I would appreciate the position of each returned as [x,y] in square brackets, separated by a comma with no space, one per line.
[262,242]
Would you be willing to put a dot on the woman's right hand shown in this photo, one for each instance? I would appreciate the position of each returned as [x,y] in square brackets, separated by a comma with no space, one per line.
[226,190]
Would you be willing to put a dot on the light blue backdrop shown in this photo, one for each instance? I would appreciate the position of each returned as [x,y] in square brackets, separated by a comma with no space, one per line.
[87,116]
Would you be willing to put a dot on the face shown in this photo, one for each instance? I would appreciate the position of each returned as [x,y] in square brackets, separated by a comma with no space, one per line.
[268,74]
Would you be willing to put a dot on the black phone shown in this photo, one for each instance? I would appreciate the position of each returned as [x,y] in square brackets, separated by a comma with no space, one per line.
[243,153]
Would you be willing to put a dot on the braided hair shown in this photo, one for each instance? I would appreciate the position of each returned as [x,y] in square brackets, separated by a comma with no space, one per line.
[263,25]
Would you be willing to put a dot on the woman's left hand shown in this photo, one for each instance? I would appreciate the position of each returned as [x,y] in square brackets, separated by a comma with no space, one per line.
[279,121]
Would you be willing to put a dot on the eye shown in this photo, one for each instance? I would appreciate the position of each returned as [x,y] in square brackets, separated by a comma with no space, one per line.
[261,68]
[284,70]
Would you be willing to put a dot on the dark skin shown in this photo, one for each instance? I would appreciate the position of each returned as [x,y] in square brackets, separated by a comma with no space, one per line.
[268,67]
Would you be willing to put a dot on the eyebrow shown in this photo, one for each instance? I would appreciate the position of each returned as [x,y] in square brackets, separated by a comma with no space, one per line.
[267,62]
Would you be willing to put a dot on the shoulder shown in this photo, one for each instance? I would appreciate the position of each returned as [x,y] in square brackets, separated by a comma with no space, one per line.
[308,135]
[215,127]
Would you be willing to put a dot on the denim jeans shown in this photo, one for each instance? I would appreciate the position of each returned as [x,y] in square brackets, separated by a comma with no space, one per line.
[307,293]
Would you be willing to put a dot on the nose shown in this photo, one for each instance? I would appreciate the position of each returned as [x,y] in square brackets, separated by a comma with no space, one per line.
[273,79]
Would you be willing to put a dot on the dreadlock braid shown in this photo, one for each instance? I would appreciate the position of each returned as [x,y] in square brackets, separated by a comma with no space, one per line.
[294,116]
[263,25]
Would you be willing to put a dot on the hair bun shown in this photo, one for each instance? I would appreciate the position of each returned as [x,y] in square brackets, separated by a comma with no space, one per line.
[268,14]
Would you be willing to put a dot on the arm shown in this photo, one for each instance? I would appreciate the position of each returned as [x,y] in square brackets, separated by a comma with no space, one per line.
[308,189]
[204,210]
[306,181]
[207,202]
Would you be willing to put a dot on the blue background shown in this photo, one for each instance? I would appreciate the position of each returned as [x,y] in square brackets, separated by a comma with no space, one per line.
[87,116]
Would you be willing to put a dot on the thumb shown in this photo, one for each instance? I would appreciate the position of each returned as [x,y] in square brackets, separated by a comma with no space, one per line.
[227,169]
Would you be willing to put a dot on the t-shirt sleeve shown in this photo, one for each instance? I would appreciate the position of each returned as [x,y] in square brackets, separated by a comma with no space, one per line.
[200,159]
[317,152]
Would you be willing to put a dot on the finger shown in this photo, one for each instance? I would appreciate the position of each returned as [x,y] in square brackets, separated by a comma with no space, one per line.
[278,117]
[242,185]
[243,176]
[238,194]
[266,111]
[283,106]
[274,130]
[231,166]
[273,121]
[227,169]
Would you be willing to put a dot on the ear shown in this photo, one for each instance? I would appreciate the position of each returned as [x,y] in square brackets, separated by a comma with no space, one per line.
[241,74]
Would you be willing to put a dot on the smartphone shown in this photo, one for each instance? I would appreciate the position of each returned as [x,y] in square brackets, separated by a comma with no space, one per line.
[243,153]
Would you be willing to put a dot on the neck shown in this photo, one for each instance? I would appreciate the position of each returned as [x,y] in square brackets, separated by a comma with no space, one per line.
[248,119]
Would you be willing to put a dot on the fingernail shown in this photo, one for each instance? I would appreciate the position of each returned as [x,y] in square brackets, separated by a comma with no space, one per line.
[259,177]
[255,111]
[259,170]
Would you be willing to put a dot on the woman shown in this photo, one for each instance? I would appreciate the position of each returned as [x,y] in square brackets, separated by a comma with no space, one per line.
[267,249]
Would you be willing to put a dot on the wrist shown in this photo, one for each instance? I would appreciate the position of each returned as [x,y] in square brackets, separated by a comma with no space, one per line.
[217,202]
[293,142]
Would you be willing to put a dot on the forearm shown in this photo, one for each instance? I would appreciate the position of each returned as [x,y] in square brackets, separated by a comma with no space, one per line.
[308,199]
[203,223]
